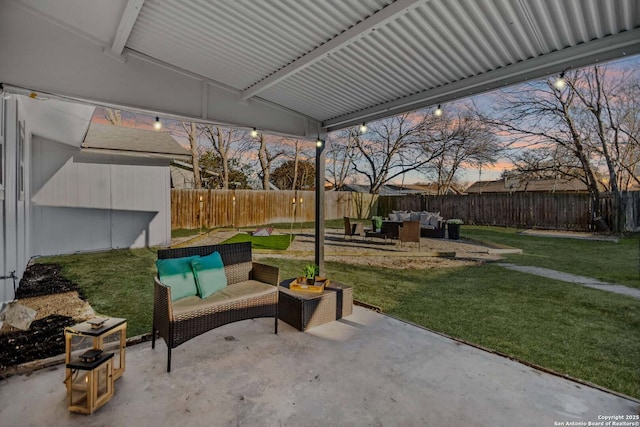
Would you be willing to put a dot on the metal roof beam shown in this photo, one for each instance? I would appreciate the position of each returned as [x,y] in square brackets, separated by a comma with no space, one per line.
[359,30]
[606,49]
[127,22]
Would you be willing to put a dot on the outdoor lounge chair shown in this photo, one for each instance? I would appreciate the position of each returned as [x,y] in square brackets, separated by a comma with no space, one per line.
[408,232]
[355,229]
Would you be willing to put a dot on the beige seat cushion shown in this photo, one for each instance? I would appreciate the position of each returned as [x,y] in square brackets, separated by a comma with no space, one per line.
[232,293]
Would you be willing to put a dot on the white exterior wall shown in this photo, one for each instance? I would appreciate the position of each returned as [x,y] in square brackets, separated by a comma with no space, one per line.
[72,201]
[84,202]
[14,247]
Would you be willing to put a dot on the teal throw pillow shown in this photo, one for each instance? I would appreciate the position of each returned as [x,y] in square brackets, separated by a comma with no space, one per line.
[178,275]
[210,276]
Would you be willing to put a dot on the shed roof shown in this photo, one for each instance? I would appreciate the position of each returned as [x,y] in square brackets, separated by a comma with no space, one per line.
[132,141]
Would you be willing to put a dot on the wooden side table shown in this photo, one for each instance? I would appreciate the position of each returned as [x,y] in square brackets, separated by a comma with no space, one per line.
[102,338]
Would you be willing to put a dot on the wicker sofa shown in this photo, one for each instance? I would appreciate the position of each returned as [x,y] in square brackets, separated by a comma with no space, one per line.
[252,292]
[431,223]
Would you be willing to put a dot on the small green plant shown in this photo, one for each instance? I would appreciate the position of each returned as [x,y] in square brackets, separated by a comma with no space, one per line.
[378,221]
[310,271]
[454,221]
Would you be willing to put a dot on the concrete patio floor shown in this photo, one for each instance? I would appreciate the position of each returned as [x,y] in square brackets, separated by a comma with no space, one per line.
[366,369]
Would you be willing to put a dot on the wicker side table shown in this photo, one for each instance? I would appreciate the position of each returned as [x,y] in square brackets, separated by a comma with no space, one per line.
[304,310]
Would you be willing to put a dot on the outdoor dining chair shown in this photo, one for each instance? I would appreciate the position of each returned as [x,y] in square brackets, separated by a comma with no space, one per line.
[355,229]
[409,232]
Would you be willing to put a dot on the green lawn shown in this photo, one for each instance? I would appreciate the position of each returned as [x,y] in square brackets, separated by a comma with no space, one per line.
[608,261]
[585,333]
[117,283]
[276,241]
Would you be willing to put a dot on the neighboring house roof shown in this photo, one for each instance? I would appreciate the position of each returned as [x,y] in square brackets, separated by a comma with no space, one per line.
[535,185]
[132,141]
[400,190]
[431,188]
[361,188]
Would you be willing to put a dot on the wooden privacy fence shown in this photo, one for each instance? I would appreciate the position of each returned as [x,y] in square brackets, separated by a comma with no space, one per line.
[557,211]
[240,208]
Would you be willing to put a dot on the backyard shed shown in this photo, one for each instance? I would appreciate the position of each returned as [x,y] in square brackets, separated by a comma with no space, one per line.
[72,185]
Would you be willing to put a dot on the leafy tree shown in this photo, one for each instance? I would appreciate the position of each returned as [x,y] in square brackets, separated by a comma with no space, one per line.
[236,172]
[287,177]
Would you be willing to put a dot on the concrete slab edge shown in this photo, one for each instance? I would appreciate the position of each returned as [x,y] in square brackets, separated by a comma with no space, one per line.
[35,365]
[523,362]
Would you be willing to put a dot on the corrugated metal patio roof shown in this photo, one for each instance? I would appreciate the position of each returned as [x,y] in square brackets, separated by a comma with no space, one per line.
[304,67]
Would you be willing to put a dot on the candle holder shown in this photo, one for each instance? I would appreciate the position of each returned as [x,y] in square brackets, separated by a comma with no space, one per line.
[89,382]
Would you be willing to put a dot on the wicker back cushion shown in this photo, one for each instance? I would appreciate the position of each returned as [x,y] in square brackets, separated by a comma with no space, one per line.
[236,258]
[210,275]
[178,275]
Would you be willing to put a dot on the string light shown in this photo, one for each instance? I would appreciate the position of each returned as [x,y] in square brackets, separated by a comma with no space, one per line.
[157,125]
[363,128]
[560,82]
[254,133]
[438,111]
[319,143]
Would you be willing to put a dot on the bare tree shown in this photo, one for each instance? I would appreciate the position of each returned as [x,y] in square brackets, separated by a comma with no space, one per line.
[227,144]
[548,120]
[339,154]
[191,131]
[295,164]
[461,140]
[266,158]
[629,126]
[113,116]
[392,147]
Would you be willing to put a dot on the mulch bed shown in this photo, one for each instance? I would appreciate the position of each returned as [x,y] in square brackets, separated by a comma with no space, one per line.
[45,337]
[45,279]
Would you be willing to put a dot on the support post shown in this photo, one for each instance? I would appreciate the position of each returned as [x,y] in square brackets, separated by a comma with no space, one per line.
[319,237]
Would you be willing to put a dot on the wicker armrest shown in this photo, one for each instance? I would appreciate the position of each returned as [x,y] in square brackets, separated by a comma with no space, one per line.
[162,310]
[265,273]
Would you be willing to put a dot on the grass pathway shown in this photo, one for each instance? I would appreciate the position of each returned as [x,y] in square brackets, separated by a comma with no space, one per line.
[573,278]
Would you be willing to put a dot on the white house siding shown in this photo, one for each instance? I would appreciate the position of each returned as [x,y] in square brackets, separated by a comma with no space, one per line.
[85,202]
[14,249]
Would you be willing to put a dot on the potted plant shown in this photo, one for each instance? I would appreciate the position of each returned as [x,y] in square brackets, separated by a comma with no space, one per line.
[310,272]
[453,227]
[377,222]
